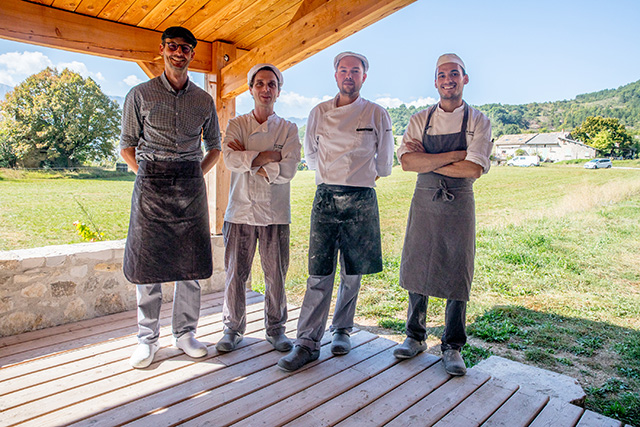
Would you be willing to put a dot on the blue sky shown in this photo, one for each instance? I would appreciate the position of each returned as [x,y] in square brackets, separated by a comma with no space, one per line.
[515,52]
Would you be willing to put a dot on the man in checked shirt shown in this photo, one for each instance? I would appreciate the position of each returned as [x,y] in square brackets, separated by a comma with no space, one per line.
[164,121]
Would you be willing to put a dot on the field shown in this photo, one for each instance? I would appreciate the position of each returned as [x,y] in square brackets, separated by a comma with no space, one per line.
[557,281]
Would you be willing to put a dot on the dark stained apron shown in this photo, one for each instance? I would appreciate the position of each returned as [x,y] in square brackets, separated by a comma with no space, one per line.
[439,246]
[169,238]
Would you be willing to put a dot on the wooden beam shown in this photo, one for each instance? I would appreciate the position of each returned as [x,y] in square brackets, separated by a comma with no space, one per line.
[151,69]
[219,180]
[323,26]
[37,24]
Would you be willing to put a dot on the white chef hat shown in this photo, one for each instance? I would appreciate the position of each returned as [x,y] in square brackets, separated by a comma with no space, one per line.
[365,62]
[450,57]
[252,72]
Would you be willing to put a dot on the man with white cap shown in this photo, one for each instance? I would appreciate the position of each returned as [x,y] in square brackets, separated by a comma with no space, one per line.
[350,144]
[262,151]
[449,145]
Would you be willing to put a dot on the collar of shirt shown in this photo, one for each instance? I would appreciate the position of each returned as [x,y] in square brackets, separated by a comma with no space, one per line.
[167,85]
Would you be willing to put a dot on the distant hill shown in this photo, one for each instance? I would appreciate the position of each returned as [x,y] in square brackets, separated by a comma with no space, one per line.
[4,89]
[622,103]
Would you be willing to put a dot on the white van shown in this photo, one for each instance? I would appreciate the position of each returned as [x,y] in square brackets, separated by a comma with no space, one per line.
[525,161]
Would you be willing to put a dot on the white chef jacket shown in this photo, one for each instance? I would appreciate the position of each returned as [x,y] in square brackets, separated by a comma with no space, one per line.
[479,143]
[254,200]
[349,145]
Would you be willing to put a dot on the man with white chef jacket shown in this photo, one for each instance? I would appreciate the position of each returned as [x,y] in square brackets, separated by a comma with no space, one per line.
[349,143]
[262,151]
[449,145]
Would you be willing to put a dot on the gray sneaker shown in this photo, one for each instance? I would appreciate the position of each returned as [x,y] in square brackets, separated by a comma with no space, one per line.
[298,357]
[340,343]
[453,363]
[280,342]
[229,341]
[409,348]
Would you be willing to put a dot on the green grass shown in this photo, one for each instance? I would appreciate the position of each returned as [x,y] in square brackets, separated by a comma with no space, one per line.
[557,278]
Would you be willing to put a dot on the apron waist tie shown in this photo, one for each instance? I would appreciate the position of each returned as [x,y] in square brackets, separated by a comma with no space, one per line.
[442,192]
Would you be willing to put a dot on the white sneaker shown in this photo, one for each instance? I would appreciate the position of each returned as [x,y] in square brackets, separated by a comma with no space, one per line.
[143,355]
[191,346]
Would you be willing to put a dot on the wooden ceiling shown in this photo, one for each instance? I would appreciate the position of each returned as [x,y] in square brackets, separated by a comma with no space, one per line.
[283,32]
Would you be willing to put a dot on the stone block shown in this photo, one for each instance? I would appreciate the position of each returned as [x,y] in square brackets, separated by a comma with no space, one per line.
[109,267]
[545,382]
[33,262]
[18,322]
[56,261]
[6,304]
[63,289]
[79,271]
[76,310]
[109,303]
[37,290]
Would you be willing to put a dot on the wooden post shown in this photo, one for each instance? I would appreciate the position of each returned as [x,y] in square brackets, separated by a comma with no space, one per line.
[219,178]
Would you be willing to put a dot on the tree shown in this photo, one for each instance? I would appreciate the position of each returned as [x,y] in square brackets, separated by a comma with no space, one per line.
[58,119]
[606,135]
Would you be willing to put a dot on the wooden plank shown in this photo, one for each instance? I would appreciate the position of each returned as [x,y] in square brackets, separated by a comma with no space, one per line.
[151,69]
[520,410]
[558,413]
[99,355]
[434,406]
[263,396]
[110,378]
[343,405]
[136,400]
[321,392]
[113,10]
[475,409]
[593,419]
[322,27]
[398,400]
[254,16]
[69,5]
[214,397]
[159,13]
[89,336]
[213,15]
[45,26]
[137,11]
[185,11]
[91,7]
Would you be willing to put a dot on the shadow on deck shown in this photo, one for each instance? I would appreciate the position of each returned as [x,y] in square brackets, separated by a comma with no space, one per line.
[79,374]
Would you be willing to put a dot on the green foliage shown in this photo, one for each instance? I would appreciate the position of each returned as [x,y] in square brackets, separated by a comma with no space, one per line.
[86,233]
[607,135]
[494,326]
[57,119]
[472,355]
[396,325]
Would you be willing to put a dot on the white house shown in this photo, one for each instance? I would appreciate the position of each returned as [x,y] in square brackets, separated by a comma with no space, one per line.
[552,147]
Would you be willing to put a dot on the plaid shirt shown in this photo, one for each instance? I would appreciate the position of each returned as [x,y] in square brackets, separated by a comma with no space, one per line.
[167,125]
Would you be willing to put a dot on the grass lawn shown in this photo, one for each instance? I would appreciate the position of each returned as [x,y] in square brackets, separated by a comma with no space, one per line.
[557,280]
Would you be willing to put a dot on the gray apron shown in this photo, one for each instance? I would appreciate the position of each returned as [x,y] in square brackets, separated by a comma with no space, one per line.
[439,245]
[169,238]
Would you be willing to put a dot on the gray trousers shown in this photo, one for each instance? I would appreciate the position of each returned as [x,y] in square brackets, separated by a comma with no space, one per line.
[454,336]
[240,247]
[186,309]
[317,303]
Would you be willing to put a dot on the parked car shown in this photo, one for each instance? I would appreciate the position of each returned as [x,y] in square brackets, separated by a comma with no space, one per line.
[598,164]
[525,161]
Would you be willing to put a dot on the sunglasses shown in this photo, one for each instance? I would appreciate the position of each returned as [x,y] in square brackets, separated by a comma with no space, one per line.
[186,48]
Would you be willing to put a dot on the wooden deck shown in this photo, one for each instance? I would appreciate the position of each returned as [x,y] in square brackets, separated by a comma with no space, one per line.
[78,374]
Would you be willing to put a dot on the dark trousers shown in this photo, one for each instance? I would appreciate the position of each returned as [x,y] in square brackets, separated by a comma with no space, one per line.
[454,336]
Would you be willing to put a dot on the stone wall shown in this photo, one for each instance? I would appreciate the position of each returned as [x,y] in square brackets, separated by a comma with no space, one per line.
[53,285]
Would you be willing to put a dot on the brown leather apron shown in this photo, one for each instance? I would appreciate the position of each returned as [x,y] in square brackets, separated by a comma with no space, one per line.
[169,238]
[439,246]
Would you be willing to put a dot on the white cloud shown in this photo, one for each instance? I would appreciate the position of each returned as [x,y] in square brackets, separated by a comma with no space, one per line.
[16,66]
[389,102]
[132,80]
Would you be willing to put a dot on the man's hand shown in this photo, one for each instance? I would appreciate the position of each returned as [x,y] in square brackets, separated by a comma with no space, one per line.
[266,157]
[415,146]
